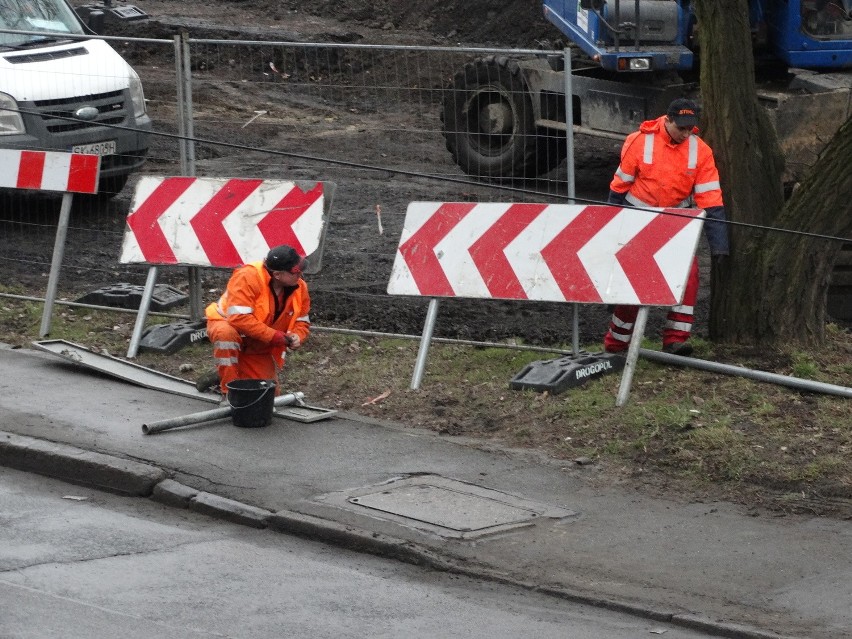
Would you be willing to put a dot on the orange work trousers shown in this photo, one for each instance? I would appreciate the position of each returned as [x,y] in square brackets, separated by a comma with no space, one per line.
[678,320]
[240,357]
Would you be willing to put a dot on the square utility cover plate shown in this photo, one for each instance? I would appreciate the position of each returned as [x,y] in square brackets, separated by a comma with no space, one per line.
[304,413]
[447,507]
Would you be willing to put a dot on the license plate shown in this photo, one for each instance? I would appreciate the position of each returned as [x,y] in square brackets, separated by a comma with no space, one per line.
[96,148]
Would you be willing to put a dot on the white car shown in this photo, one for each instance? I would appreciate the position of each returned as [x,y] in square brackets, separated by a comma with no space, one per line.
[62,90]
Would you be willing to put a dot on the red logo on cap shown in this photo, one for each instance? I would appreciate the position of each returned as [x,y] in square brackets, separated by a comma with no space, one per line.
[298,268]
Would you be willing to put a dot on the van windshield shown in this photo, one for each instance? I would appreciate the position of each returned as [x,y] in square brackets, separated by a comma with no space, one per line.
[50,16]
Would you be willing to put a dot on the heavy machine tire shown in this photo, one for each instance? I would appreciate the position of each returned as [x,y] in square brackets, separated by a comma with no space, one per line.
[489,125]
[551,149]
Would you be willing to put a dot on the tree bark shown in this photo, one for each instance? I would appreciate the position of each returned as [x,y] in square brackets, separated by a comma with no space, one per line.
[774,285]
[799,266]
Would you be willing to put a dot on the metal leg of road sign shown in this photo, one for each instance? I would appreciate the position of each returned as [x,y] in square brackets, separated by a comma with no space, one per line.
[56,263]
[575,331]
[144,305]
[425,341]
[632,355]
[196,311]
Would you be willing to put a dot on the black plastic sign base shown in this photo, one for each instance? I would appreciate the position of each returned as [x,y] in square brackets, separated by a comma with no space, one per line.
[170,338]
[124,295]
[557,375]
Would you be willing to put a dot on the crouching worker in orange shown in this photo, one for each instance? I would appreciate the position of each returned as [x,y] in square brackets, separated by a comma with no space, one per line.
[262,313]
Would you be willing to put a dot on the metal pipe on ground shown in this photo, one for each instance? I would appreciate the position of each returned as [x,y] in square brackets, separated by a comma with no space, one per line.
[727,369]
[211,415]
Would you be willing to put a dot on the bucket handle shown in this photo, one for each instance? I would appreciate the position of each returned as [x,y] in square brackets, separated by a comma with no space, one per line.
[262,395]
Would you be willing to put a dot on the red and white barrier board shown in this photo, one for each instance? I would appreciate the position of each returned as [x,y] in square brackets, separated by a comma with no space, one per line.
[546,252]
[49,171]
[220,222]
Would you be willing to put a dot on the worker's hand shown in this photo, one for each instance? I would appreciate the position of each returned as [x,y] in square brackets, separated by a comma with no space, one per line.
[293,341]
[280,339]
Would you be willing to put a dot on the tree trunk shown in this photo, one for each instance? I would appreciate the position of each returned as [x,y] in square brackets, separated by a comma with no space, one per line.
[774,285]
[798,267]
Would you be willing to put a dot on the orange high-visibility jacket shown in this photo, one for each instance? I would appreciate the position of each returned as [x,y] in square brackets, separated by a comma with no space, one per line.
[248,305]
[656,172]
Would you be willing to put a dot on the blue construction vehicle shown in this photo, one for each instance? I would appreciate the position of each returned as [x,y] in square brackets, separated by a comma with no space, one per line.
[506,117]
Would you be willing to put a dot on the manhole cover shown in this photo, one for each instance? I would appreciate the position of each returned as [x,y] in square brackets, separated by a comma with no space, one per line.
[447,507]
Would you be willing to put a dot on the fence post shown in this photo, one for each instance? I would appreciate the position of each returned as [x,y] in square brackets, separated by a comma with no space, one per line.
[186,129]
[570,178]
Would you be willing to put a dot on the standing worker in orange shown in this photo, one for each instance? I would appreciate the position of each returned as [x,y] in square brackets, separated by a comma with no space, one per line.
[263,312]
[666,164]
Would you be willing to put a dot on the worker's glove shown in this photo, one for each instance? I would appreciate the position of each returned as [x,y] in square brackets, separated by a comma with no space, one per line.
[619,199]
[293,341]
[280,339]
[716,230]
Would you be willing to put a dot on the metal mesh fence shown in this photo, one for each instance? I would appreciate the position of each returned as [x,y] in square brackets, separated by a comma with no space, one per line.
[386,125]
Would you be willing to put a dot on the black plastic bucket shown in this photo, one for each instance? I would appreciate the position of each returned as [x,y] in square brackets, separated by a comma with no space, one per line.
[252,402]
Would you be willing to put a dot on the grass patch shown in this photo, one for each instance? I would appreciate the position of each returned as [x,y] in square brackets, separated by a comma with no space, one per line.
[683,429]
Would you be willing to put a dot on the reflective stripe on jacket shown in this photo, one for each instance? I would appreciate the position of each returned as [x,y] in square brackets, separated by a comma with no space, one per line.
[248,305]
[656,172]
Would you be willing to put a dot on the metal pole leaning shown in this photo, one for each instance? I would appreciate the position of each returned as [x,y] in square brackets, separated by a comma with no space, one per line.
[632,356]
[183,68]
[211,415]
[144,305]
[425,342]
[806,385]
[56,263]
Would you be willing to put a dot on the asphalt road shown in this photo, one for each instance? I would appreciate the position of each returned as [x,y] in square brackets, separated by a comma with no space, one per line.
[83,564]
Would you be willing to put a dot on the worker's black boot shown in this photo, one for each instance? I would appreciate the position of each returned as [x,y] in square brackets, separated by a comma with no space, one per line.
[209,381]
[684,349]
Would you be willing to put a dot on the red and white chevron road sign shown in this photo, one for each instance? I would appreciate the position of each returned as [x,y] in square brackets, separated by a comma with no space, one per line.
[49,171]
[220,222]
[546,252]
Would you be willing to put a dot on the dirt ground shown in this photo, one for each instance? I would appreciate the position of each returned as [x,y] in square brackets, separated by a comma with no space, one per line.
[504,23]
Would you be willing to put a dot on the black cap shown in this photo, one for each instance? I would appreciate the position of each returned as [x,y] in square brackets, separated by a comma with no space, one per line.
[684,112]
[284,258]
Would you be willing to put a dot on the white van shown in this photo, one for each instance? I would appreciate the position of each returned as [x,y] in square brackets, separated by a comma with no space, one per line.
[61,94]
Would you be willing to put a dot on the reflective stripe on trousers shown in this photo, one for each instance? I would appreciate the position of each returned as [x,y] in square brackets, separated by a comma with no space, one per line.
[678,320]
[231,360]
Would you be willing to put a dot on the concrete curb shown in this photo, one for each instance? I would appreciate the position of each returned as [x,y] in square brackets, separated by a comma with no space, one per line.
[78,466]
[132,478]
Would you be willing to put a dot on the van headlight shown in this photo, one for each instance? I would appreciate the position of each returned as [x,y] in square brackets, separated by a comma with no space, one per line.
[137,95]
[10,119]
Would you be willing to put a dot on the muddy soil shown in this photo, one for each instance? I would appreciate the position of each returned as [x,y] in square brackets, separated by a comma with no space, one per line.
[503,23]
